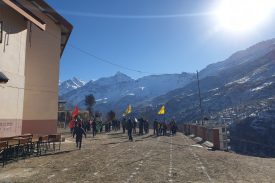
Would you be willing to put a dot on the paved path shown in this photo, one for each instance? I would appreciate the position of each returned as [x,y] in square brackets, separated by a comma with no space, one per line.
[112,158]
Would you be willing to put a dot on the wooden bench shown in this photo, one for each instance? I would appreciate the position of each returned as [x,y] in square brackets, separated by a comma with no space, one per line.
[13,151]
[43,143]
[11,148]
[35,145]
[55,138]
[3,149]
[24,146]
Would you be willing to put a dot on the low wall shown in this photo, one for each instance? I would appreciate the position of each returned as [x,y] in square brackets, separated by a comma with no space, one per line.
[207,134]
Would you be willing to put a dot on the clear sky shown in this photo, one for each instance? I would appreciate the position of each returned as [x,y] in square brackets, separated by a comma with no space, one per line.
[154,36]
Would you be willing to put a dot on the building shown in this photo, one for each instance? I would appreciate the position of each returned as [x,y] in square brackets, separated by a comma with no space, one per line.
[61,105]
[33,37]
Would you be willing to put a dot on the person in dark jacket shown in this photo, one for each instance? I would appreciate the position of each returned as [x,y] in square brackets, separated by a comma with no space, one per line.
[118,123]
[164,129]
[141,124]
[155,126]
[124,124]
[134,126]
[146,126]
[94,128]
[78,132]
[130,128]
[173,127]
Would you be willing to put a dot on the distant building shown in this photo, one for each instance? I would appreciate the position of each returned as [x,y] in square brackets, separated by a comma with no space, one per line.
[33,37]
[61,105]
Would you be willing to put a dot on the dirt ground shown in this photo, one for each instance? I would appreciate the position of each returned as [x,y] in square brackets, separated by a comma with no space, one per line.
[112,158]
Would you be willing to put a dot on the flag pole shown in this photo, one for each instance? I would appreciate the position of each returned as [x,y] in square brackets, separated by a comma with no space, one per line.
[200,97]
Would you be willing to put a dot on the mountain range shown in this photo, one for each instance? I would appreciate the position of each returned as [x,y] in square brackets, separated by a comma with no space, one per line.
[120,90]
[246,75]
[239,90]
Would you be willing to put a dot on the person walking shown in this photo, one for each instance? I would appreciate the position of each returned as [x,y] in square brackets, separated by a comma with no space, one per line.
[72,125]
[118,123]
[159,128]
[134,126]
[94,128]
[155,126]
[124,124]
[130,128]
[78,132]
[164,129]
[174,127]
[141,124]
[146,126]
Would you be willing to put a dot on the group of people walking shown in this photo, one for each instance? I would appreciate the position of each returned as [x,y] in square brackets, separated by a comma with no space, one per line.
[112,125]
[131,125]
[79,128]
[161,128]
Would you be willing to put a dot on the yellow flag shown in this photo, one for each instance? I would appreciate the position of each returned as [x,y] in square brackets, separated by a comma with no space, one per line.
[128,110]
[162,110]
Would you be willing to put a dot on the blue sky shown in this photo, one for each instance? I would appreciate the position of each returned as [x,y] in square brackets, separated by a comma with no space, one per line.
[153,36]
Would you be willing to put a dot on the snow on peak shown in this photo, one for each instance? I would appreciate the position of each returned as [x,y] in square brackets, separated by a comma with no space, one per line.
[262,86]
[131,94]
[142,88]
[69,85]
[215,89]
[78,82]
[239,81]
[101,99]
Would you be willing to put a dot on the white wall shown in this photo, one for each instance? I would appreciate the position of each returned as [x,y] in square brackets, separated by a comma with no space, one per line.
[12,64]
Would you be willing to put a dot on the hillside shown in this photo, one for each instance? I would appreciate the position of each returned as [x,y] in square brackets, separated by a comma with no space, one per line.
[240,95]
[247,81]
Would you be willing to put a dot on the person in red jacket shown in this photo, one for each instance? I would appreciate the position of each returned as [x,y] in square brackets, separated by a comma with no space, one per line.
[71,125]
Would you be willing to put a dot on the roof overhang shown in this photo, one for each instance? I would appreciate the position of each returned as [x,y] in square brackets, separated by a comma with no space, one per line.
[26,13]
[65,26]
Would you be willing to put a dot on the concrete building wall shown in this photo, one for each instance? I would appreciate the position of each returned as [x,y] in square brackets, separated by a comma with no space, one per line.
[42,76]
[30,58]
[12,64]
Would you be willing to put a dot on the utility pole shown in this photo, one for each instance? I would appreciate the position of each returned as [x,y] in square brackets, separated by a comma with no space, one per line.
[200,96]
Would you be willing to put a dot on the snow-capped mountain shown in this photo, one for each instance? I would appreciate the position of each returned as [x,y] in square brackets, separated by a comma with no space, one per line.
[239,90]
[110,90]
[248,79]
[69,85]
[239,58]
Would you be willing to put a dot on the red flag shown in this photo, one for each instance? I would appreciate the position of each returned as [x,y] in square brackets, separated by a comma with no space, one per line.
[75,113]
